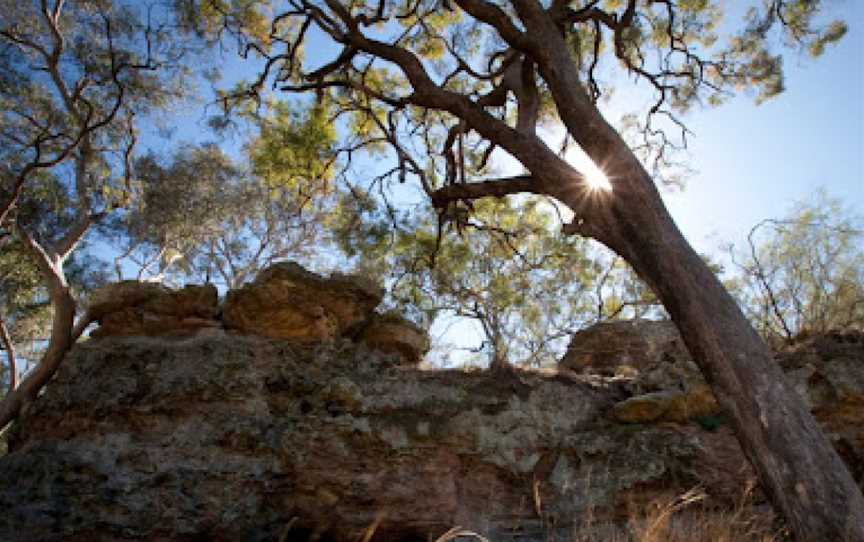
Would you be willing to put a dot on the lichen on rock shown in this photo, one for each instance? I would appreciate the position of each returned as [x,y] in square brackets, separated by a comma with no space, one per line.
[130,308]
[288,302]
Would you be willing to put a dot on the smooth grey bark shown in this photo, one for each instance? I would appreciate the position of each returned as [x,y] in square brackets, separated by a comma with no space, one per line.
[62,337]
[9,347]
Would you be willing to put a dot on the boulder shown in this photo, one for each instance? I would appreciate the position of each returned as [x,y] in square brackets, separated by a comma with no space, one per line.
[671,406]
[637,344]
[131,307]
[393,334]
[288,302]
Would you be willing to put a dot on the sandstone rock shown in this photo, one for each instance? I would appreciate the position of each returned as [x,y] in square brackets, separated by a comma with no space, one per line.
[635,343]
[392,334]
[288,302]
[679,375]
[672,406]
[828,372]
[232,438]
[247,438]
[143,308]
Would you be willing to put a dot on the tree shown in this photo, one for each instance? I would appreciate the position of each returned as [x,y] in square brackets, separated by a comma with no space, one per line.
[25,307]
[804,274]
[509,270]
[73,79]
[201,216]
[433,78]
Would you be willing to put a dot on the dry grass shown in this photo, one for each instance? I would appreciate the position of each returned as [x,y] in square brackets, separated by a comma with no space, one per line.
[684,518]
[678,518]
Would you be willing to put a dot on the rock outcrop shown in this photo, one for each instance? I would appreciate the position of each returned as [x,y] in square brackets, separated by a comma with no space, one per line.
[288,302]
[633,343]
[246,438]
[393,334]
[142,308]
[239,437]
[284,302]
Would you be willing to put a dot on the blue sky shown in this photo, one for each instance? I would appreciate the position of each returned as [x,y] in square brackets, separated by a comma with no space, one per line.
[754,162]
[751,162]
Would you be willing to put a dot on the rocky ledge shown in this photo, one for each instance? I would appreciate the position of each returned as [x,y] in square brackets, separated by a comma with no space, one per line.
[230,435]
[284,302]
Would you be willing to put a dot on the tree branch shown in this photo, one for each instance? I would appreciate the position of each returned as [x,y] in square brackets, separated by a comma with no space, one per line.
[496,188]
[61,339]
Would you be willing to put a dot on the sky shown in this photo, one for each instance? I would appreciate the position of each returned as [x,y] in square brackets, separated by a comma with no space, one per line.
[754,162]
[750,162]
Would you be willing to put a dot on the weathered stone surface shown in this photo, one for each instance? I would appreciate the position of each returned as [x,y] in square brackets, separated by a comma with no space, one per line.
[393,334]
[142,308]
[673,406]
[245,438]
[288,302]
[634,343]
[230,439]
[828,372]
[667,391]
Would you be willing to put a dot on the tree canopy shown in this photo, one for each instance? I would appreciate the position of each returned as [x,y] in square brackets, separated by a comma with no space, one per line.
[74,77]
[804,273]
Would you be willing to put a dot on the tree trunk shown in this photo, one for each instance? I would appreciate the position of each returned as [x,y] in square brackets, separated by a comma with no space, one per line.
[797,466]
[799,469]
[9,346]
[62,332]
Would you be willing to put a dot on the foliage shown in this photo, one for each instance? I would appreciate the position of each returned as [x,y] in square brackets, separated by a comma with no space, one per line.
[74,76]
[294,148]
[686,54]
[47,209]
[380,102]
[201,216]
[79,73]
[507,268]
[804,273]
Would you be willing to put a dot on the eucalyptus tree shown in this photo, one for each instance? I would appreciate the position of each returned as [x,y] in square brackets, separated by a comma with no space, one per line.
[74,79]
[509,270]
[804,273]
[199,215]
[432,78]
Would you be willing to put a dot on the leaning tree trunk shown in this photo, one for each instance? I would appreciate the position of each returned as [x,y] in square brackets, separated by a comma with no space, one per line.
[797,466]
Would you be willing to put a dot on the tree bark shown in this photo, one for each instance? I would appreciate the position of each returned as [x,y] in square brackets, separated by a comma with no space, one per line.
[62,336]
[799,469]
[797,466]
[9,346]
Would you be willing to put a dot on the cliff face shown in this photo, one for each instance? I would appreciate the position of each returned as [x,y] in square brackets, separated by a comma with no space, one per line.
[223,436]
[233,438]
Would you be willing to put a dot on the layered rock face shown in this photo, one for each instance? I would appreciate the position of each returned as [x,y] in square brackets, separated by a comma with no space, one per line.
[232,436]
[140,308]
[284,302]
